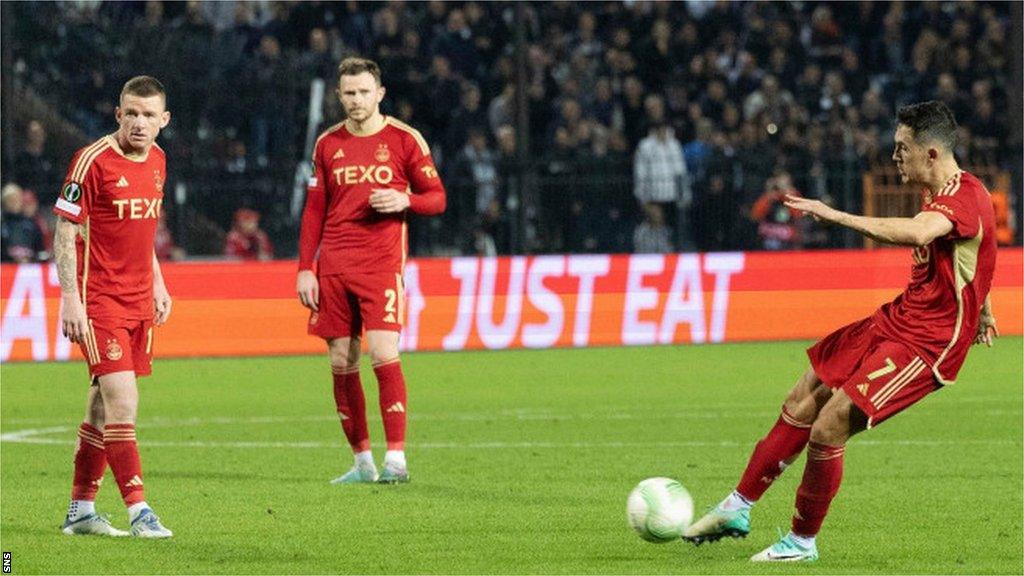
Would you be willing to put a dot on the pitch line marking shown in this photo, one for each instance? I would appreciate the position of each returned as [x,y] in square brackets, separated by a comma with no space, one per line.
[39,436]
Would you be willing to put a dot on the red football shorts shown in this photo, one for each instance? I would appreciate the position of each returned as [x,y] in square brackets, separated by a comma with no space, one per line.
[114,345]
[881,376]
[351,302]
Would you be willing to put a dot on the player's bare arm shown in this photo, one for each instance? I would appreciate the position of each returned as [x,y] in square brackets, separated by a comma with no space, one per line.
[73,321]
[917,231]
[161,297]
[388,200]
[987,330]
[308,289]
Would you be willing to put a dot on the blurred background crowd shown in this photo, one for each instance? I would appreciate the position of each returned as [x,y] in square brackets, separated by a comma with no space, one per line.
[557,126]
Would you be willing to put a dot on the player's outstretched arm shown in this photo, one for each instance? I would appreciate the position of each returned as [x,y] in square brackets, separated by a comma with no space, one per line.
[73,321]
[987,330]
[917,231]
[161,297]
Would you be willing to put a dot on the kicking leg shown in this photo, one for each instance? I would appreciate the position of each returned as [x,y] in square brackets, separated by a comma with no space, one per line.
[779,448]
[838,420]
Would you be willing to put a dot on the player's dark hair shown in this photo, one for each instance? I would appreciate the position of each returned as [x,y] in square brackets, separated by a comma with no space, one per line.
[144,86]
[353,66]
[931,121]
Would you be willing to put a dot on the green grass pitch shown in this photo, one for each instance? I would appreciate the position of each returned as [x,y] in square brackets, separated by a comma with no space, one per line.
[521,463]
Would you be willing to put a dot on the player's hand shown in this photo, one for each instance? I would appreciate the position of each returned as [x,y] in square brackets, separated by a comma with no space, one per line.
[388,200]
[73,321]
[987,331]
[161,303]
[814,208]
[308,289]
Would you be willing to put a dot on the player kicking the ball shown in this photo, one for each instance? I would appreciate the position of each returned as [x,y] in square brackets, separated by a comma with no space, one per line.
[112,294]
[367,172]
[866,372]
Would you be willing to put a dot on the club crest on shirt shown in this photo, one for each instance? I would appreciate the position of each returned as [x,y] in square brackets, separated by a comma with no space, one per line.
[114,352]
[71,192]
[314,318]
[158,179]
[382,154]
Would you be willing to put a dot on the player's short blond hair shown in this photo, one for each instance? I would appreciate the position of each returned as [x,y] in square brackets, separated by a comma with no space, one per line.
[144,87]
[353,66]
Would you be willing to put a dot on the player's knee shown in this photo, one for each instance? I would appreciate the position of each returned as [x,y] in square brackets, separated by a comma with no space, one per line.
[339,360]
[803,410]
[343,355]
[383,354]
[119,410]
[832,426]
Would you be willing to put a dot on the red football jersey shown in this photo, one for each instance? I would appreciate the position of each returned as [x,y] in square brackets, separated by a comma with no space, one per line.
[937,315]
[118,201]
[338,218]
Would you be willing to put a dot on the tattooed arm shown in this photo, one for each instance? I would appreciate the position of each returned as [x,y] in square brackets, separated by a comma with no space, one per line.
[72,314]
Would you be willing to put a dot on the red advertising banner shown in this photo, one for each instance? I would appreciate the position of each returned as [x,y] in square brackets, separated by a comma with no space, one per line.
[235,309]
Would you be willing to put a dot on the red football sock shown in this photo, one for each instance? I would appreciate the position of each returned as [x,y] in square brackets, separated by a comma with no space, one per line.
[90,463]
[123,456]
[772,454]
[351,405]
[822,475]
[392,402]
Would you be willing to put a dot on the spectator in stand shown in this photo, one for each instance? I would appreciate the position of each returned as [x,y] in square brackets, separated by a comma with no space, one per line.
[246,241]
[456,44]
[632,110]
[475,179]
[778,226]
[697,151]
[442,87]
[714,216]
[317,61]
[659,176]
[20,239]
[33,167]
[652,236]
[468,115]
[269,80]
[30,207]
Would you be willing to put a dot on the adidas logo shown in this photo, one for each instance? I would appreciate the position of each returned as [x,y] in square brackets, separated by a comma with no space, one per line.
[98,481]
[389,318]
[863,389]
[339,154]
[342,417]
[122,183]
[135,481]
[396,407]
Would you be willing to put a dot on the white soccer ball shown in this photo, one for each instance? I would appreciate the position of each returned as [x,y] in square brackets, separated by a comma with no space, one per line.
[659,509]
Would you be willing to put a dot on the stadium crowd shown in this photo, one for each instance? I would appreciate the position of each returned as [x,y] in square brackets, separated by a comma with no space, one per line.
[652,126]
